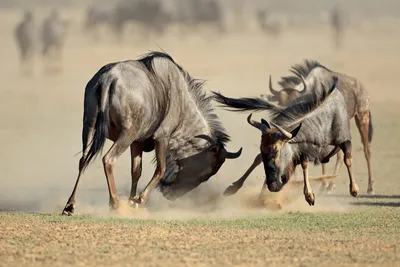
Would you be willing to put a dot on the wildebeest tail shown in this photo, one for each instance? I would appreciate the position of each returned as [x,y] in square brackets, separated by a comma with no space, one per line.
[370,128]
[100,132]
[244,103]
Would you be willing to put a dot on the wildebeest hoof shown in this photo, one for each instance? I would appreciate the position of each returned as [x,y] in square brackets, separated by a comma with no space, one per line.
[68,210]
[310,198]
[231,190]
[113,205]
[133,204]
[370,190]
[138,199]
[354,190]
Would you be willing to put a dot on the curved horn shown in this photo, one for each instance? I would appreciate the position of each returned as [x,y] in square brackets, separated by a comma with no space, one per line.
[283,131]
[274,92]
[232,155]
[260,126]
[265,123]
[304,84]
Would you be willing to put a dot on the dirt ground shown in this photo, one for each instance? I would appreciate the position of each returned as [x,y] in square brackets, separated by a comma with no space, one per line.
[40,134]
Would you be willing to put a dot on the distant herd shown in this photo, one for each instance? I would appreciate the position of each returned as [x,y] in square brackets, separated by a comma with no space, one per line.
[153,104]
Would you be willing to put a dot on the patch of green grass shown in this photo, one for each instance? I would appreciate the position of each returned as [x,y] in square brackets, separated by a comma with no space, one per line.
[387,218]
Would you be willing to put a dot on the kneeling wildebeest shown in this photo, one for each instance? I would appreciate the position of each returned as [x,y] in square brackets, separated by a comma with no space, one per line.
[145,104]
[311,130]
[306,79]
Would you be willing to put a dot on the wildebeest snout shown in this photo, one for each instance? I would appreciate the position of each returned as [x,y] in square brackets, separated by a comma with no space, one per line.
[275,186]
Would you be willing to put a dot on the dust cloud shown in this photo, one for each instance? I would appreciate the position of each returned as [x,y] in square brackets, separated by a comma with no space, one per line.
[41,116]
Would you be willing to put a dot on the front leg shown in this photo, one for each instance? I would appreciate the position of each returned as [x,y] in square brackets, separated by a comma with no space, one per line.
[161,146]
[308,193]
[232,189]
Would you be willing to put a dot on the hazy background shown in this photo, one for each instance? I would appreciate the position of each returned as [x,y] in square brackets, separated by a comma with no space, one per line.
[41,114]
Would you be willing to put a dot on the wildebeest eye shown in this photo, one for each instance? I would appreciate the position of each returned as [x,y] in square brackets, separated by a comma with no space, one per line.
[277,135]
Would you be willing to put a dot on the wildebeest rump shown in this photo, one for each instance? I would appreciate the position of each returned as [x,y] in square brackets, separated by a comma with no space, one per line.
[152,103]
[307,78]
[311,130]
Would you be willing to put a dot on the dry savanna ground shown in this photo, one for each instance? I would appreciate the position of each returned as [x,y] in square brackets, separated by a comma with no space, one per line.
[40,134]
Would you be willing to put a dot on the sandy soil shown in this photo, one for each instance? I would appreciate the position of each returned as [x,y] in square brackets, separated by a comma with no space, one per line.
[41,120]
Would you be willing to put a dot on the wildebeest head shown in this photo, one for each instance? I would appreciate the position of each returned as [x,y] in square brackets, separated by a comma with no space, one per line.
[286,95]
[188,173]
[274,153]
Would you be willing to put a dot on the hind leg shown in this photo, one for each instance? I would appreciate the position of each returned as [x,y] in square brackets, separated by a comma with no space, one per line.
[136,169]
[348,159]
[70,206]
[87,134]
[124,140]
[362,122]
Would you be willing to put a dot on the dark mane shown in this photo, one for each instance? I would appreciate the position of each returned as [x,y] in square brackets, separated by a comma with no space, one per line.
[301,69]
[200,97]
[303,105]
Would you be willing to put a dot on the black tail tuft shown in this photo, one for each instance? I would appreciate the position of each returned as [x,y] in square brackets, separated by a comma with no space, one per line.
[100,133]
[243,104]
[370,128]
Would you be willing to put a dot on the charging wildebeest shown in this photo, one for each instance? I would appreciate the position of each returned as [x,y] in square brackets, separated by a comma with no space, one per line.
[145,104]
[357,101]
[311,130]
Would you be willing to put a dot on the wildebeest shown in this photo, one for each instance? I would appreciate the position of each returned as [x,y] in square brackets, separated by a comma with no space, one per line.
[54,32]
[311,130]
[306,79]
[145,104]
[192,13]
[24,35]
[337,24]
[97,16]
[268,24]
[150,15]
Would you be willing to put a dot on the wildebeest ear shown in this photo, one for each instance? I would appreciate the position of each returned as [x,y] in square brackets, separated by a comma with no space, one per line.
[295,131]
[214,149]
[265,123]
